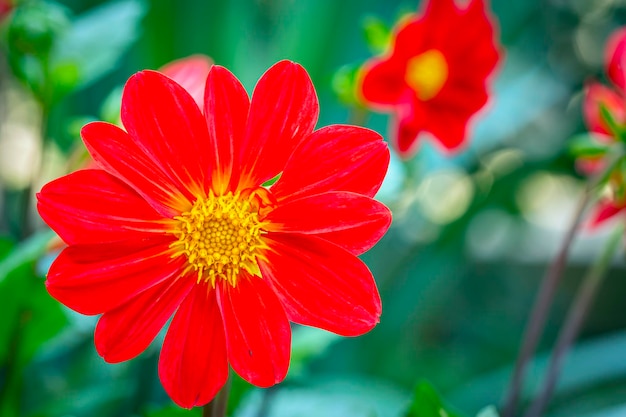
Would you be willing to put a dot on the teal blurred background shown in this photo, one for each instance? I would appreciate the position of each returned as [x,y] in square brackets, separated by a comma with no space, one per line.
[472,235]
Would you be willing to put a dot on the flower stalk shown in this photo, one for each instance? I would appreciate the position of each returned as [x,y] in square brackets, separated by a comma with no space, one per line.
[217,407]
[575,319]
[541,308]
[543,301]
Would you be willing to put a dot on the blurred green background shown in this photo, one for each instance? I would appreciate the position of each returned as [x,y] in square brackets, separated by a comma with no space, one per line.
[471,238]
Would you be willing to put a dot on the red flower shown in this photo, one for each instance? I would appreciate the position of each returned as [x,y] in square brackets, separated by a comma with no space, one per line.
[190,73]
[434,78]
[605,210]
[177,220]
[613,99]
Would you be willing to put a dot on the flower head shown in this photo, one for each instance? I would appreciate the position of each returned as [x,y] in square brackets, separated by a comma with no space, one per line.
[176,221]
[604,112]
[434,77]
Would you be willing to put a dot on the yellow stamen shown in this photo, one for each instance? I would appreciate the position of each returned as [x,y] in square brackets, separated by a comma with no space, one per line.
[427,73]
[221,236]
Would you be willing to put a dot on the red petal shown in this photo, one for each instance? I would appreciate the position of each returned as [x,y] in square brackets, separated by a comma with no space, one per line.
[92,279]
[227,105]
[167,125]
[321,285]
[352,221]
[335,158]
[615,57]
[382,83]
[592,165]
[193,365]
[258,336]
[449,128]
[190,73]
[407,125]
[92,206]
[283,111]
[116,152]
[605,210]
[125,332]
[597,95]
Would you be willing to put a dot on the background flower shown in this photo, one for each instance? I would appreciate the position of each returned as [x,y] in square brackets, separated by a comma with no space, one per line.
[432,79]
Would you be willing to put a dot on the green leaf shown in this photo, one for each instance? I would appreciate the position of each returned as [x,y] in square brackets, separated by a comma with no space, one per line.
[30,317]
[94,43]
[27,307]
[32,33]
[617,130]
[344,84]
[28,251]
[427,403]
[6,244]
[377,34]
[42,319]
[586,145]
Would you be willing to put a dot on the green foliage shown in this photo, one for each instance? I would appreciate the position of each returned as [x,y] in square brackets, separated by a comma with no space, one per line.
[616,130]
[587,145]
[426,402]
[377,34]
[344,84]
[35,26]
[32,33]
[30,318]
[94,44]
[56,54]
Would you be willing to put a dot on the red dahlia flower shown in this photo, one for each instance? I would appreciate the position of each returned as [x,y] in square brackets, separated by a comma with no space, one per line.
[434,77]
[177,222]
[598,102]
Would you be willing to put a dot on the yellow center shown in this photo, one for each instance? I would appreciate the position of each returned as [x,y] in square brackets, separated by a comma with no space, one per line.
[221,237]
[426,73]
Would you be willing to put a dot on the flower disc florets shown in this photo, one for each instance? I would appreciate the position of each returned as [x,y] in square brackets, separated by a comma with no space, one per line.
[220,236]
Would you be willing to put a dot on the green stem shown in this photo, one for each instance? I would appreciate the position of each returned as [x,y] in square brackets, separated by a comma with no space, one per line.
[574,320]
[539,313]
[217,407]
[543,301]
[358,115]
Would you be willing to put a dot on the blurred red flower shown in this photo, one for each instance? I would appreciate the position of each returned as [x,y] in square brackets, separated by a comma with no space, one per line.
[6,6]
[434,77]
[177,220]
[613,99]
[599,103]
